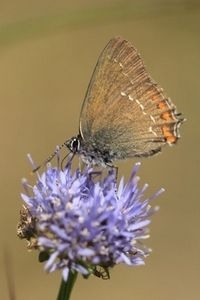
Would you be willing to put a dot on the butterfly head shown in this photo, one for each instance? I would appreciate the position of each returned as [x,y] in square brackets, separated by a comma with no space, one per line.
[74,144]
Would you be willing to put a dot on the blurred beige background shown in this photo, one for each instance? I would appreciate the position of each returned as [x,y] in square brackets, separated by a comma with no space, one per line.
[48,50]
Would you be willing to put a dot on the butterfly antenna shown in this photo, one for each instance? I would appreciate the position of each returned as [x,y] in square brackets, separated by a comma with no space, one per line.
[58,148]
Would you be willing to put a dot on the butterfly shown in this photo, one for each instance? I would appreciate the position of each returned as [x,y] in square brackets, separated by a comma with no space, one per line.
[125,114]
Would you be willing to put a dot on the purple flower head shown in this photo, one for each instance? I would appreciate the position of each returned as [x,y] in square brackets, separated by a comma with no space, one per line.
[82,221]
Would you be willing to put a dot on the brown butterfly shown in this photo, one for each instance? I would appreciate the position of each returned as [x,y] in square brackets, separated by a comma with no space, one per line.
[125,114]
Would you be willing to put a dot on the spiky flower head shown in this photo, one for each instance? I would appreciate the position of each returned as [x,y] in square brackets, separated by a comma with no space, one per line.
[83,221]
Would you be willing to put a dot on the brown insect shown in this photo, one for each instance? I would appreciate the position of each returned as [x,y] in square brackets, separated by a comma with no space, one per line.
[125,114]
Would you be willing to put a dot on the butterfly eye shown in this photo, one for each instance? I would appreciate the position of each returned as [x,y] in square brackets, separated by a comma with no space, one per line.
[74,145]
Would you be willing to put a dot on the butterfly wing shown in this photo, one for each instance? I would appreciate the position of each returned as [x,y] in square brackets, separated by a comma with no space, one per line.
[124,111]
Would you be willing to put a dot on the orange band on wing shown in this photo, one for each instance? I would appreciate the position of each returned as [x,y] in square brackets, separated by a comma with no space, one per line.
[168,134]
[167,116]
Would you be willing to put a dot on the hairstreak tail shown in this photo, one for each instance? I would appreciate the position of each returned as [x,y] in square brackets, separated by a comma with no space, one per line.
[125,113]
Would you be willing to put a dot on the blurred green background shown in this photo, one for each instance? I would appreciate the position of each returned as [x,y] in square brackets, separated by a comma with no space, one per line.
[48,50]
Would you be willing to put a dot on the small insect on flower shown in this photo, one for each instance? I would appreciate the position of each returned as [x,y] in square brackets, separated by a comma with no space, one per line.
[26,228]
[86,224]
[125,113]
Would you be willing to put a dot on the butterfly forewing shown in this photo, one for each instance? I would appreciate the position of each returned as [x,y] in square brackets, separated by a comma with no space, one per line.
[124,111]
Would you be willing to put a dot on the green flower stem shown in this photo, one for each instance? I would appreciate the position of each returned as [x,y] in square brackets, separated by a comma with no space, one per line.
[67,286]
